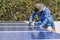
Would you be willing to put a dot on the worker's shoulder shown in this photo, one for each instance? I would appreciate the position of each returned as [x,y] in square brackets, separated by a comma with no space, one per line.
[46,10]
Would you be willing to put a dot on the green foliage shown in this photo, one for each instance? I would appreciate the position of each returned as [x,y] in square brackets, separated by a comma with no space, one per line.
[19,10]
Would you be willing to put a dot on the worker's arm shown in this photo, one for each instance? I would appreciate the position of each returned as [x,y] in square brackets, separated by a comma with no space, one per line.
[46,14]
[32,16]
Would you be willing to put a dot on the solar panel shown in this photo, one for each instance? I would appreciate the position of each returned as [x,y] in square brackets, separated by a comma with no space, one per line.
[20,31]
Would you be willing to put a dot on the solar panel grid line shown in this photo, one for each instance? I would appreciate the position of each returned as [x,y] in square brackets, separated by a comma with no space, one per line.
[16,26]
[20,31]
[15,22]
[44,39]
[12,23]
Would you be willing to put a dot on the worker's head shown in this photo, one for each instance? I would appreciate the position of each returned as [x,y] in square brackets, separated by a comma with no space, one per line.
[39,7]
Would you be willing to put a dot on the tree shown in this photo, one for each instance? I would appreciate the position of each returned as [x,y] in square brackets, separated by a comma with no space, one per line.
[18,10]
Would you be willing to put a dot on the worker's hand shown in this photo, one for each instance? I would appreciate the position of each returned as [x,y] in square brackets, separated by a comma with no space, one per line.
[30,23]
[41,27]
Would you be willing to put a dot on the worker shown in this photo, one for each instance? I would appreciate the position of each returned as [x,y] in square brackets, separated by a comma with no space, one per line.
[45,18]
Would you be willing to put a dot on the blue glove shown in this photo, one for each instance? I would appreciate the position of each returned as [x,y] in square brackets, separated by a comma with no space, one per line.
[41,28]
[30,23]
